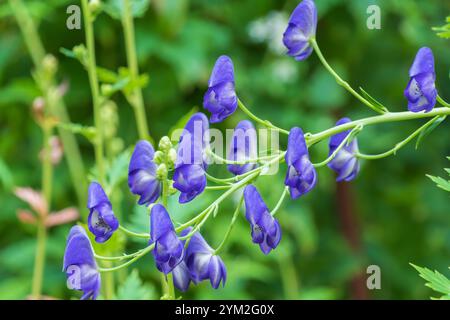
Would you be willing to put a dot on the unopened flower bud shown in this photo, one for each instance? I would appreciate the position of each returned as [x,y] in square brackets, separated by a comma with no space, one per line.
[38,107]
[165,144]
[50,64]
[158,158]
[161,172]
[172,156]
[107,89]
[172,190]
[94,6]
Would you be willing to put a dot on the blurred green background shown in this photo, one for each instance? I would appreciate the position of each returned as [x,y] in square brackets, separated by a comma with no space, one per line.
[390,216]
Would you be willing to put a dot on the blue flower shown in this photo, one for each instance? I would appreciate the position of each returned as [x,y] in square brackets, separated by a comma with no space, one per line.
[220,99]
[169,250]
[101,220]
[243,147]
[266,230]
[203,263]
[421,91]
[142,174]
[79,264]
[301,176]
[189,176]
[301,28]
[181,276]
[345,163]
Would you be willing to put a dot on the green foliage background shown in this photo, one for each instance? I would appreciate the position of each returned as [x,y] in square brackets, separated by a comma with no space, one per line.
[398,214]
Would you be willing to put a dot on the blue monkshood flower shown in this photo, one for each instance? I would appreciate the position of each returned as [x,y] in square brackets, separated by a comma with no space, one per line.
[101,220]
[266,230]
[220,99]
[301,176]
[79,264]
[169,250]
[142,174]
[421,91]
[181,276]
[202,262]
[301,28]
[345,163]
[190,176]
[243,147]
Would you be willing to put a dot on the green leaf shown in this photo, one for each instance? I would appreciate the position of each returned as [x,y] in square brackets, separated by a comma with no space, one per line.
[134,289]
[88,132]
[435,280]
[373,101]
[114,8]
[181,122]
[118,170]
[444,31]
[428,130]
[6,177]
[440,182]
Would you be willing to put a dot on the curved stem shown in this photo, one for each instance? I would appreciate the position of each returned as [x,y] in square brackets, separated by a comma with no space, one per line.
[230,227]
[138,256]
[216,180]
[398,145]
[258,120]
[387,117]
[339,80]
[335,152]
[134,234]
[215,188]
[442,101]
[278,205]
[238,162]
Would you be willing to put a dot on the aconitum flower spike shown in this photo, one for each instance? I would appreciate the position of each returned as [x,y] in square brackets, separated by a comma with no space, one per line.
[301,28]
[189,176]
[169,250]
[421,91]
[220,99]
[301,176]
[266,230]
[101,220]
[202,262]
[243,147]
[79,264]
[142,174]
[345,163]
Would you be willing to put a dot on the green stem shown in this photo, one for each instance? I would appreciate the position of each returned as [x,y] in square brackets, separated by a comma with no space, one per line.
[134,234]
[398,145]
[93,81]
[222,160]
[384,118]
[230,227]
[339,80]
[343,143]
[39,260]
[136,100]
[258,120]
[442,101]
[126,264]
[280,201]
[56,105]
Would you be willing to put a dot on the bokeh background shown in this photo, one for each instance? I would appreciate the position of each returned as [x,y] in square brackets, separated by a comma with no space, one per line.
[390,216]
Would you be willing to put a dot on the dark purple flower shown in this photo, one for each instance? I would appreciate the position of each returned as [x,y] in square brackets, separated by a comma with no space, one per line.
[169,250]
[243,147]
[101,220]
[181,276]
[189,176]
[202,262]
[79,264]
[301,176]
[345,163]
[266,230]
[142,174]
[421,91]
[220,99]
[301,28]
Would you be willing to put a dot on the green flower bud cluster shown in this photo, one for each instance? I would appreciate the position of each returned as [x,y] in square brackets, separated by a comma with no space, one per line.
[165,157]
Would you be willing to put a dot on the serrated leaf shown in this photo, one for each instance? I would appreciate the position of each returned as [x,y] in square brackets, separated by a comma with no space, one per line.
[134,289]
[373,101]
[440,182]
[435,280]
[428,130]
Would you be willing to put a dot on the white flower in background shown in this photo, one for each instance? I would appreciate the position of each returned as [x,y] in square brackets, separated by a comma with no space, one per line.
[269,29]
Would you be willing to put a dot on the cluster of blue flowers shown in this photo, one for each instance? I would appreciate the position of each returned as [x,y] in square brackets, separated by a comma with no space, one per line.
[195,260]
